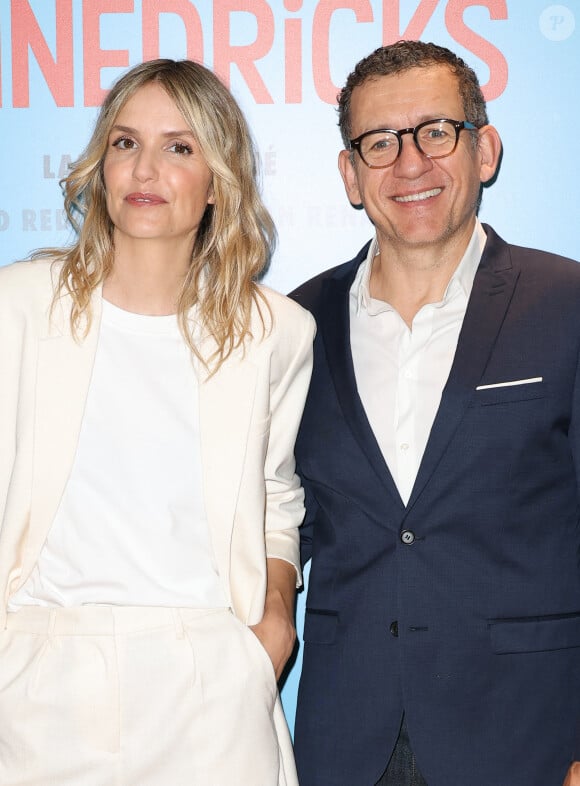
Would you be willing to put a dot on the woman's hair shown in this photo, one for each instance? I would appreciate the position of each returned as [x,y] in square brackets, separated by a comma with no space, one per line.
[235,238]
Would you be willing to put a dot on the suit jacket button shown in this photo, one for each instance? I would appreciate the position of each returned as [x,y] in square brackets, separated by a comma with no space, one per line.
[407,537]
[394,628]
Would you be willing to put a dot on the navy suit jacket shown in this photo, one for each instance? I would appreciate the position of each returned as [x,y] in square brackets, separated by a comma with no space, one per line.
[461,609]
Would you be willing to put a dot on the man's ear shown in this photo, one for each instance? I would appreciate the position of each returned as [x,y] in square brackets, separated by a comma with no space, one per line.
[349,177]
[489,150]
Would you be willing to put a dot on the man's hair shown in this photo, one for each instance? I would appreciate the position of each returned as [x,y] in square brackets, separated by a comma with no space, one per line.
[403,56]
[236,236]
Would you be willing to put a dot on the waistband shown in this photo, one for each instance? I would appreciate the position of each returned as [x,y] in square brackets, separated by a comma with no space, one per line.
[103,620]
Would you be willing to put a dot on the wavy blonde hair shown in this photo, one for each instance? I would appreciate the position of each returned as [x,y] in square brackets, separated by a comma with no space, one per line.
[236,236]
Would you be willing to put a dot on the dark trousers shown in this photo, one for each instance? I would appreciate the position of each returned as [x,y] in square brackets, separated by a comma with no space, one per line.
[402,768]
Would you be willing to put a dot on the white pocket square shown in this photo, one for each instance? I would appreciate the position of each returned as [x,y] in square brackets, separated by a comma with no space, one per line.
[510,384]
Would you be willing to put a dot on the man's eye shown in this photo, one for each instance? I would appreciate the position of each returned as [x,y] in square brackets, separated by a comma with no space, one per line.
[436,133]
[382,144]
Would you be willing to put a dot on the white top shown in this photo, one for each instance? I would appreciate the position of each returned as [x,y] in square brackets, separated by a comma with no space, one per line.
[401,371]
[131,528]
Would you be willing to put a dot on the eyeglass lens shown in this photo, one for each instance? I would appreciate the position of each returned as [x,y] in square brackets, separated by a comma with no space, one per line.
[381,148]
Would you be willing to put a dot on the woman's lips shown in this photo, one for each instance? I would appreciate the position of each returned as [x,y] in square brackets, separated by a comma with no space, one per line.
[145,200]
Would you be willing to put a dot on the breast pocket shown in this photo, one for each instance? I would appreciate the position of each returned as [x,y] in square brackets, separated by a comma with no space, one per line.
[512,394]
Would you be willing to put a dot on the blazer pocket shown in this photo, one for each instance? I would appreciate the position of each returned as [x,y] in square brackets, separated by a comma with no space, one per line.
[320,626]
[535,634]
[508,395]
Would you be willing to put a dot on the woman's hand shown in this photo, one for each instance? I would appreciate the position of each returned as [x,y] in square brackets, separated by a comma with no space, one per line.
[276,630]
[573,776]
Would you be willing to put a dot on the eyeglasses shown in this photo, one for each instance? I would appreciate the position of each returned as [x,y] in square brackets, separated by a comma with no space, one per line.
[434,138]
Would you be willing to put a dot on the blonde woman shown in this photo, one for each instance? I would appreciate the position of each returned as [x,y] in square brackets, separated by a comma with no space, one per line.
[151,393]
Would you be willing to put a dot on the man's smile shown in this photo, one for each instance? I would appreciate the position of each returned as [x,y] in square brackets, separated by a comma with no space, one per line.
[420,196]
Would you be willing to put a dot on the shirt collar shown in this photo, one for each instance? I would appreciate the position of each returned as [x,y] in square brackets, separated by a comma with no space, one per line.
[461,280]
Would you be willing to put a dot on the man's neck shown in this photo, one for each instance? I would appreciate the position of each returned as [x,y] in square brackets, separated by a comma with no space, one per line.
[409,279]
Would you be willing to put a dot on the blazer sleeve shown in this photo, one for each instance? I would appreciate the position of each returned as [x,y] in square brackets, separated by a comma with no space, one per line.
[10,353]
[27,318]
[574,436]
[291,367]
[21,309]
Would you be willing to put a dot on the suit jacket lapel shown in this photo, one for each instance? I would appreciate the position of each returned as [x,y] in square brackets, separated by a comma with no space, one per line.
[334,323]
[493,288]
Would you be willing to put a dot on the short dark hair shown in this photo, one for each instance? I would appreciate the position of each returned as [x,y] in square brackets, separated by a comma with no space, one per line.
[402,56]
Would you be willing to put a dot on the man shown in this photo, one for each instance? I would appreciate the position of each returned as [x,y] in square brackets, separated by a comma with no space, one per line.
[439,451]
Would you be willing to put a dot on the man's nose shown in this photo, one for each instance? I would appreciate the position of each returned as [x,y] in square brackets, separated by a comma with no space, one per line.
[411,161]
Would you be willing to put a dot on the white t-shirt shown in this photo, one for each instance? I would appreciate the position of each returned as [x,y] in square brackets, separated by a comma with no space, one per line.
[131,527]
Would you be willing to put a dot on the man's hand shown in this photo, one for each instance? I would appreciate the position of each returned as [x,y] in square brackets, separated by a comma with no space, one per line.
[573,775]
[276,629]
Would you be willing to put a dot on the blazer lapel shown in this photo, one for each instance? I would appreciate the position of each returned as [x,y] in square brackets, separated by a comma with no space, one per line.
[226,402]
[334,324]
[63,375]
[493,288]
[64,372]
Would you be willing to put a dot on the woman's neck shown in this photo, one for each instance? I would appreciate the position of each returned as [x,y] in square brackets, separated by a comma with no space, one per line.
[147,278]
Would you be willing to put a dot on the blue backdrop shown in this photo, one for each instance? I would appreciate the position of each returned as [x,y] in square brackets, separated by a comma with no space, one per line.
[285,61]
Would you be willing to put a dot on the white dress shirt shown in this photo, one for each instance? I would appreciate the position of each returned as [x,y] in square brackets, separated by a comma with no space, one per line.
[401,371]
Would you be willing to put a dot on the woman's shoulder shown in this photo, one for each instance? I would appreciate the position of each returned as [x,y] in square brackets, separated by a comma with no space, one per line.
[286,314]
[28,283]
[28,274]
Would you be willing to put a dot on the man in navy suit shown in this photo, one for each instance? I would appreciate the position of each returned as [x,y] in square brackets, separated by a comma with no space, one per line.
[440,454]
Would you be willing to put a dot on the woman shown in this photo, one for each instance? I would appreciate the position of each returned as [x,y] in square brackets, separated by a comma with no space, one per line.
[151,392]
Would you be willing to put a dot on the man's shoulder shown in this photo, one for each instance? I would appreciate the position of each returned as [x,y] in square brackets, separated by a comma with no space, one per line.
[537,263]
[308,294]
[542,259]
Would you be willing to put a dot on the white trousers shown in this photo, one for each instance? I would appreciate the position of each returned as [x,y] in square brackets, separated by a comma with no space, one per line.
[115,696]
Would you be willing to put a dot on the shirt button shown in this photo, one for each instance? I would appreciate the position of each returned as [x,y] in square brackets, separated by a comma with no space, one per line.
[407,537]
[404,446]
[394,628]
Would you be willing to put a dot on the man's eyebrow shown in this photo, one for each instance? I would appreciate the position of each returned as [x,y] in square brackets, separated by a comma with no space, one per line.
[422,119]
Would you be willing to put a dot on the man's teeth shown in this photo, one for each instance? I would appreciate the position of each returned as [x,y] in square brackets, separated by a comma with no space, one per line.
[418,197]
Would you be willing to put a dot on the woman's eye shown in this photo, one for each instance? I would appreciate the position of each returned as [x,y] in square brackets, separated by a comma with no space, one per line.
[181,148]
[124,143]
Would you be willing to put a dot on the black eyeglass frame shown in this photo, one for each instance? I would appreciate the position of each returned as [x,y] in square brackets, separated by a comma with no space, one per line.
[458,125]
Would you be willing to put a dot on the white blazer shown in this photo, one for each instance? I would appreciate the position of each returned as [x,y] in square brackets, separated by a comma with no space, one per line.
[249,414]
